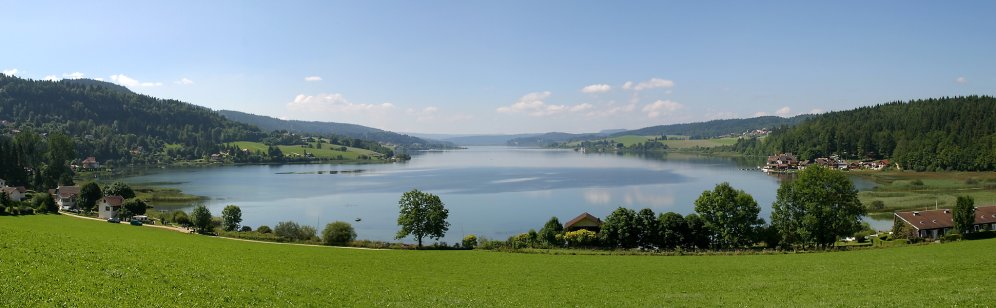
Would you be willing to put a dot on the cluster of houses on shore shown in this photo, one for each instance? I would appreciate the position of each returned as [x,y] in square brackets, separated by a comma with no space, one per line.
[786,162]
[15,193]
[65,198]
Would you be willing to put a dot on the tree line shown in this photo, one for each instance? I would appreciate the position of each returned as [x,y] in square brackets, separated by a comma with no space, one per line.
[948,133]
[812,211]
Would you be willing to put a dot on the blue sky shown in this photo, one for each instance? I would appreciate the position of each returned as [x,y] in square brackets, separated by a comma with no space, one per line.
[512,66]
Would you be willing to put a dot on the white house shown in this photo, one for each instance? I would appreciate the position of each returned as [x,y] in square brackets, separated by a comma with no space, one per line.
[108,206]
[15,193]
[65,196]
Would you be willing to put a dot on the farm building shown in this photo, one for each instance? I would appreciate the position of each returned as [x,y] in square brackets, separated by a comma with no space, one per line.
[584,221]
[933,224]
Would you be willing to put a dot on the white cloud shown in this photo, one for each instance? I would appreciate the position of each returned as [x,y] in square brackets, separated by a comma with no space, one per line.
[52,78]
[533,104]
[760,114]
[653,83]
[313,78]
[333,103]
[126,81]
[661,107]
[784,111]
[961,80]
[10,72]
[184,82]
[596,88]
[73,75]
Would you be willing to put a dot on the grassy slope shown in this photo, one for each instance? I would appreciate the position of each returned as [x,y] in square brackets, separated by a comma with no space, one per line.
[57,260]
[325,152]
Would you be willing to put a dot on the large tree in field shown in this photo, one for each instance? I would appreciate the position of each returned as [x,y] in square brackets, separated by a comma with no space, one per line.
[550,230]
[647,228]
[672,230]
[200,217]
[817,208]
[119,189]
[619,229]
[89,195]
[231,217]
[422,215]
[964,214]
[731,215]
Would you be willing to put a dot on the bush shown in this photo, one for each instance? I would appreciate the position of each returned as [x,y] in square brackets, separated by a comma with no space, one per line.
[294,232]
[980,235]
[264,229]
[951,238]
[256,236]
[580,238]
[878,205]
[469,241]
[245,229]
[862,236]
[338,233]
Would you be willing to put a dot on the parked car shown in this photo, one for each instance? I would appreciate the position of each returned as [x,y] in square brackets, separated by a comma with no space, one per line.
[136,223]
[114,220]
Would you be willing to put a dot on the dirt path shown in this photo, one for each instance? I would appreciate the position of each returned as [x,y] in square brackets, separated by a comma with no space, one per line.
[183,230]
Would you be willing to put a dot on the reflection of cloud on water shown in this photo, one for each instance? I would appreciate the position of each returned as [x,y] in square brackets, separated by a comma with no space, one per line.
[514,180]
[540,193]
[631,197]
[636,196]
[597,196]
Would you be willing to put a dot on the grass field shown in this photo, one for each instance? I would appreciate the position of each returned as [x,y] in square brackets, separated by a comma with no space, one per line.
[64,261]
[920,190]
[325,152]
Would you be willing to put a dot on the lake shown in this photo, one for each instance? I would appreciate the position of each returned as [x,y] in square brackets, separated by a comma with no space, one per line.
[494,192]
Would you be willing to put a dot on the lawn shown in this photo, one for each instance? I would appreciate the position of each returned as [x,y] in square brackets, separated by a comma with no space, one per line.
[63,261]
[327,151]
[923,190]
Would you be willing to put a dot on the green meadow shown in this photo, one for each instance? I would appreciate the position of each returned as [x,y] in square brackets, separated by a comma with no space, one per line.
[53,260]
[328,151]
[900,190]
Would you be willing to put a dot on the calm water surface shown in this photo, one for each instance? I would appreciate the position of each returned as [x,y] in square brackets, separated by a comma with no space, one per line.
[494,192]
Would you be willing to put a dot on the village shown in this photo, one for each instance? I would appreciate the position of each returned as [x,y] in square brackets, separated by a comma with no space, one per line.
[787,163]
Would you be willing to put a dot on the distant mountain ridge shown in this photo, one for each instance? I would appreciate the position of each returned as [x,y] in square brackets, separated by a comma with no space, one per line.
[328,128]
[697,130]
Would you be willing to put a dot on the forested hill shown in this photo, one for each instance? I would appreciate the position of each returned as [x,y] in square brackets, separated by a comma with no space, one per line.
[715,128]
[332,128]
[111,123]
[951,133]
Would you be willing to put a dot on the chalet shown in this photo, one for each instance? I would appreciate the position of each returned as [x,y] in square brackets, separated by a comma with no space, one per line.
[933,224]
[15,193]
[109,206]
[65,196]
[584,221]
[90,163]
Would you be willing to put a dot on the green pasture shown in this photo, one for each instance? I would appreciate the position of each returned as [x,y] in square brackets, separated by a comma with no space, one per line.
[328,151]
[674,142]
[53,260]
[924,190]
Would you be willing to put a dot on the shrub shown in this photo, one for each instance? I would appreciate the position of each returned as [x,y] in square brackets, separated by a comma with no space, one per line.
[469,241]
[980,235]
[951,238]
[294,232]
[245,229]
[256,236]
[861,236]
[580,238]
[264,229]
[338,233]
[878,205]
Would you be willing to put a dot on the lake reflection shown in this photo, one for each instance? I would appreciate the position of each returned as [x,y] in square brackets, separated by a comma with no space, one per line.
[493,192]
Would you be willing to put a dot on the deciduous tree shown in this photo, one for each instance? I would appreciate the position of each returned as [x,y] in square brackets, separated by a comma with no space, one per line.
[201,219]
[619,229]
[817,208]
[338,233]
[422,215]
[231,217]
[548,234]
[731,215]
[964,214]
